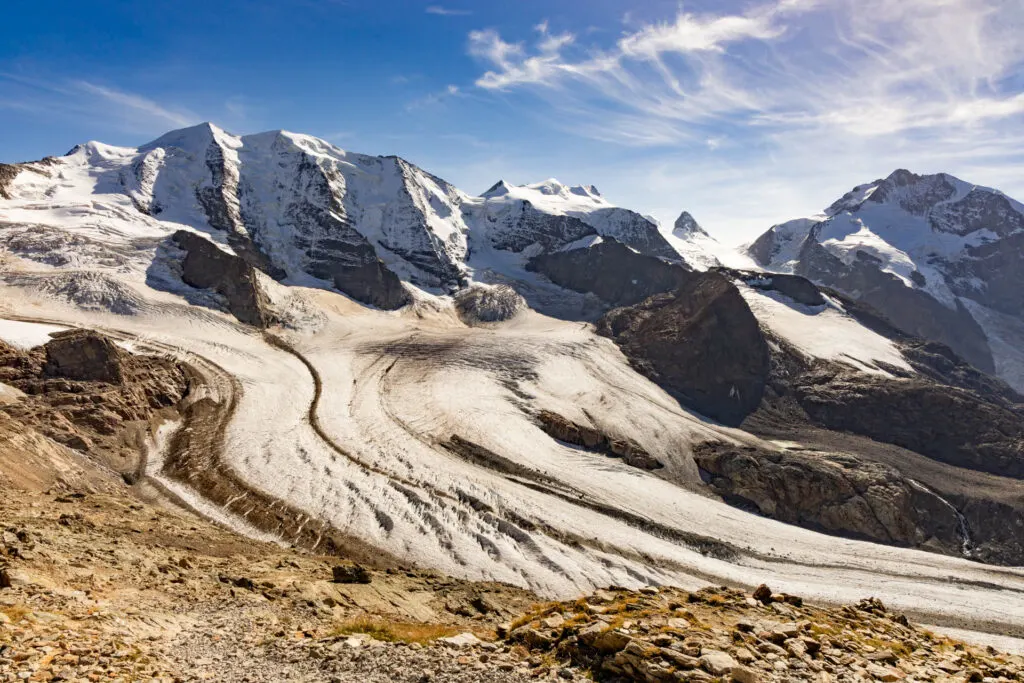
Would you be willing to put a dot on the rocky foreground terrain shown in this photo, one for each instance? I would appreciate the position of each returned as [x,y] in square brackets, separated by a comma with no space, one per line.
[100,586]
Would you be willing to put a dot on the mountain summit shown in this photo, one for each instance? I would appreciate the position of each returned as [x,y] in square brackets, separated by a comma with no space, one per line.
[940,257]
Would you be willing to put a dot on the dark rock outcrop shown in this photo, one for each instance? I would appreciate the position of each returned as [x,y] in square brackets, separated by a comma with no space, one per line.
[1000,266]
[612,271]
[7,174]
[372,283]
[528,225]
[84,355]
[836,493]
[206,266]
[561,429]
[945,423]
[701,343]
[799,289]
[350,574]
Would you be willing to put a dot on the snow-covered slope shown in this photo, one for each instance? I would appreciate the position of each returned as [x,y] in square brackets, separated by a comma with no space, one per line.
[940,257]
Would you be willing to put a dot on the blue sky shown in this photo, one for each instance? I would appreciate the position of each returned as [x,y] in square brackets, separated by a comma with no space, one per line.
[744,113]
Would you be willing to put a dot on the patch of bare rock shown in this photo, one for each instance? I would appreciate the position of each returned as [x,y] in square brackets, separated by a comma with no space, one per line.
[722,634]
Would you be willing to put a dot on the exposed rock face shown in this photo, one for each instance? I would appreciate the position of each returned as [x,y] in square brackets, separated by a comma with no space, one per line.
[612,271]
[700,343]
[206,266]
[372,283]
[633,230]
[1000,266]
[591,439]
[686,224]
[84,355]
[84,392]
[945,423]
[7,175]
[797,288]
[836,493]
[547,216]
[525,225]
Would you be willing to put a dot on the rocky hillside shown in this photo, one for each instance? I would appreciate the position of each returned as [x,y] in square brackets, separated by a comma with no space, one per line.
[938,256]
[721,634]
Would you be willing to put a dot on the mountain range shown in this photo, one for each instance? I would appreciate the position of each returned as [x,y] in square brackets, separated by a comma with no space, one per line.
[532,385]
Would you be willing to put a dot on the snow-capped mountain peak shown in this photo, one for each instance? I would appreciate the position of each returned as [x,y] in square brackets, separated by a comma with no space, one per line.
[942,257]
[686,225]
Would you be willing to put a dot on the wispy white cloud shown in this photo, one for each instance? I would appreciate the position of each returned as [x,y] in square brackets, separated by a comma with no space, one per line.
[805,92]
[447,11]
[93,102]
[137,104]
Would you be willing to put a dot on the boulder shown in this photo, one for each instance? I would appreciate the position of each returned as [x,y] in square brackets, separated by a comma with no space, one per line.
[610,642]
[763,594]
[717,663]
[350,574]
[84,355]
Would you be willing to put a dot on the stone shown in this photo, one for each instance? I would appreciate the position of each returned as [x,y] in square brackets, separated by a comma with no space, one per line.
[84,355]
[611,642]
[461,640]
[351,574]
[717,662]
[679,659]
[553,621]
[591,632]
[742,674]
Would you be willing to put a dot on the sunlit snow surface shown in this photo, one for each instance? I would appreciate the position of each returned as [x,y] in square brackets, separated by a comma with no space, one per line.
[25,335]
[824,332]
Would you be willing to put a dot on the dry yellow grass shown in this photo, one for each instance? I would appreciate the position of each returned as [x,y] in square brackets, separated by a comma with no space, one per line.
[394,631]
[16,612]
